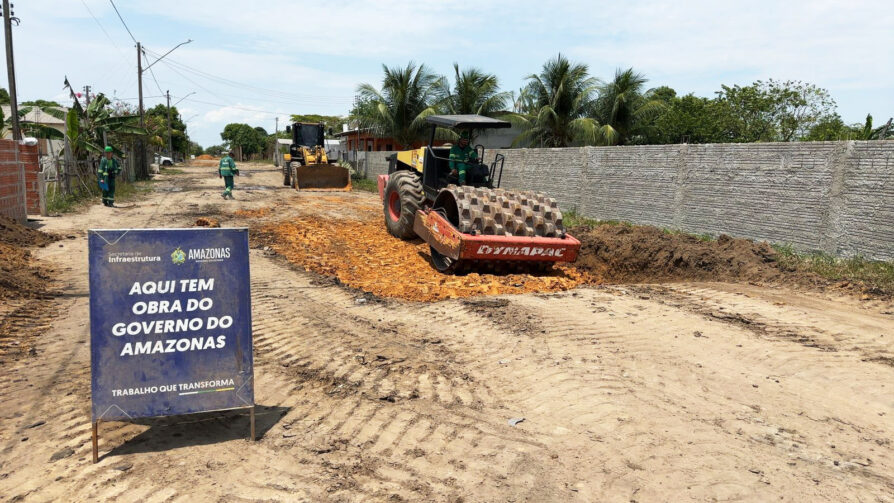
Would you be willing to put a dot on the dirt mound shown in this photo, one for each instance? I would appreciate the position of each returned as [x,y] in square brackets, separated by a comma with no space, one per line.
[620,253]
[20,278]
[207,222]
[205,157]
[16,234]
[362,255]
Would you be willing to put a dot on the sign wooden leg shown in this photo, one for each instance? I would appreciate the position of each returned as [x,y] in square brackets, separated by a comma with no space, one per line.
[252,414]
[95,442]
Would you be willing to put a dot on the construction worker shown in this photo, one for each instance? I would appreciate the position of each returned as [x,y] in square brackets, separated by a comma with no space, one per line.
[108,170]
[227,170]
[464,163]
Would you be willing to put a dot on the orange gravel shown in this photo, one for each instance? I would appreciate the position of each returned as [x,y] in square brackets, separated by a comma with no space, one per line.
[362,254]
[258,213]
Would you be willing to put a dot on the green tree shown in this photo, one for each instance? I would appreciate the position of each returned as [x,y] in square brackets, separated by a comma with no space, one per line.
[216,150]
[331,123]
[399,108]
[625,110]
[251,140]
[157,125]
[773,110]
[831,128]
[555,108]
[4,96]
[472,92]
[689,119]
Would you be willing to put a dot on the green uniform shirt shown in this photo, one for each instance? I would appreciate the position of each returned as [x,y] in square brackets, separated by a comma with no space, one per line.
[227,166]
[108,167]
[459,160]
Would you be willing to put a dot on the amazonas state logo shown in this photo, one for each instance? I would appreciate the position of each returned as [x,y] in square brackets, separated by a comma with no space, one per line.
[178,257]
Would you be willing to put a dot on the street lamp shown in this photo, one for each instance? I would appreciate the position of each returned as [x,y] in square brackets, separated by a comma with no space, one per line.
[183,98]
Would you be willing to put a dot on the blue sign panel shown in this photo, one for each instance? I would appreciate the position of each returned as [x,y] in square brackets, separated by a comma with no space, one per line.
[170,322]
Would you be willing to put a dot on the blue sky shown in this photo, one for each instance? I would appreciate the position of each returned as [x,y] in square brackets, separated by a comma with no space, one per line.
[273,70]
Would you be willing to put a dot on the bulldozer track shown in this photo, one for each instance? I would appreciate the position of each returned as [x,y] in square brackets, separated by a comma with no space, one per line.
[504,212]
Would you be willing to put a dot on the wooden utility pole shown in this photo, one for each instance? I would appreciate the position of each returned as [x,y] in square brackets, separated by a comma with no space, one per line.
[87,94]
[142,168]
[11,72]
[170,142]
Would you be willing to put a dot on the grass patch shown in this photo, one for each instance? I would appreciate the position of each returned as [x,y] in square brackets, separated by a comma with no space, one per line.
[66,203]
[364,184]
[58,202]
[171,171]
[877,275]
[572,218]
[705,238]
[132,191]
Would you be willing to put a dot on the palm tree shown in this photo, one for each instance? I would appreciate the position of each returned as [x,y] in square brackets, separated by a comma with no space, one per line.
[623,109]
[399,109]
[555,107]
[473,92]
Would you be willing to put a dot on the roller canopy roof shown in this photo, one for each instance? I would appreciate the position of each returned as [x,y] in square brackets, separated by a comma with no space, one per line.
[467,121]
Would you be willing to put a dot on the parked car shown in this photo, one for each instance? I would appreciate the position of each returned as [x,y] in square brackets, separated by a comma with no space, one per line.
[163,160]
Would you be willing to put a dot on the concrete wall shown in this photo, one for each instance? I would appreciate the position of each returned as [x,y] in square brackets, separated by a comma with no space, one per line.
[837,197]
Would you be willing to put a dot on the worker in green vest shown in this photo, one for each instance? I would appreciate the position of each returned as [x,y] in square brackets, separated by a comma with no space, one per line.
[227,170]
[464,163]
[108,170]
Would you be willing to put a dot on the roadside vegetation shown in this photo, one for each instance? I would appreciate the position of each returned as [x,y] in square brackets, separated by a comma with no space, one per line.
[876,276]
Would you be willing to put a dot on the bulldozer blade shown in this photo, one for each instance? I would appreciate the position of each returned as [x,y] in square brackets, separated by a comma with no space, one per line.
[323,177]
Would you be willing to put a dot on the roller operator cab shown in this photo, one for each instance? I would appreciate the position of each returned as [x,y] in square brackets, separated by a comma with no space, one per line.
[308,166]
[475,225]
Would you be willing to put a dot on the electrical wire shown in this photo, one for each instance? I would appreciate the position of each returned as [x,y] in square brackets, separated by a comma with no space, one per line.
[300,98]
[122,21]
[101,27]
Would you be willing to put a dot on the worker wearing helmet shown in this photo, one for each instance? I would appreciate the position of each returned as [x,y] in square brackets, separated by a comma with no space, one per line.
[108,170]
[226,170]
[462,157]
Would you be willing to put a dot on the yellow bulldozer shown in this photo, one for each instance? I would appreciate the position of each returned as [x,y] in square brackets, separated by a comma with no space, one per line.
[307,166]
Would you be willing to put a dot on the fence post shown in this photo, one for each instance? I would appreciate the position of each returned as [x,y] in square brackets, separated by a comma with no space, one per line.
[66,168]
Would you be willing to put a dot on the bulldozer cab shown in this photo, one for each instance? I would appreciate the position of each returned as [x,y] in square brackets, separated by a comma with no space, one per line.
[436,173]
[305,134]
[309,167]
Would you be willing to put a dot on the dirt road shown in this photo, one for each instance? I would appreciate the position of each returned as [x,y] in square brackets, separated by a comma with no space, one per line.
[670,392]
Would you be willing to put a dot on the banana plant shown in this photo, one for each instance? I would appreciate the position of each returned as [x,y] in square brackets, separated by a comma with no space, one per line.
[90,128]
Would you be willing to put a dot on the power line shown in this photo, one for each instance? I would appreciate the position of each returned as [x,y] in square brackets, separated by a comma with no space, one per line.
[283,94]
[101,27]
[152,72]
[122,21]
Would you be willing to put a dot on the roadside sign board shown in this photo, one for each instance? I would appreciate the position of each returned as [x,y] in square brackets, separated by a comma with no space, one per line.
[170,322]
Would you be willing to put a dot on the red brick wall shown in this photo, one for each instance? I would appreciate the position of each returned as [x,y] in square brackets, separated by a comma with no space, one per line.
[28,155]
[18,197]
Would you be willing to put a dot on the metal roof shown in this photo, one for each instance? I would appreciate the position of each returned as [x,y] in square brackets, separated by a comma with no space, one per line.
[467,121]
[36,116]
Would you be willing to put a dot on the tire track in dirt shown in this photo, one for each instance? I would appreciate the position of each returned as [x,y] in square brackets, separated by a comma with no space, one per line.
[823,325]
[593,367]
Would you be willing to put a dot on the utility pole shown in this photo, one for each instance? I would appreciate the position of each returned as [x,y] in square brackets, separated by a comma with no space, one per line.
[170,142]
[87,94]
[142,167]
[10,70]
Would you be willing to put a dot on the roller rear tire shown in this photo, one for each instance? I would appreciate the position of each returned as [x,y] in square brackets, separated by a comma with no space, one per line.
[403,198]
